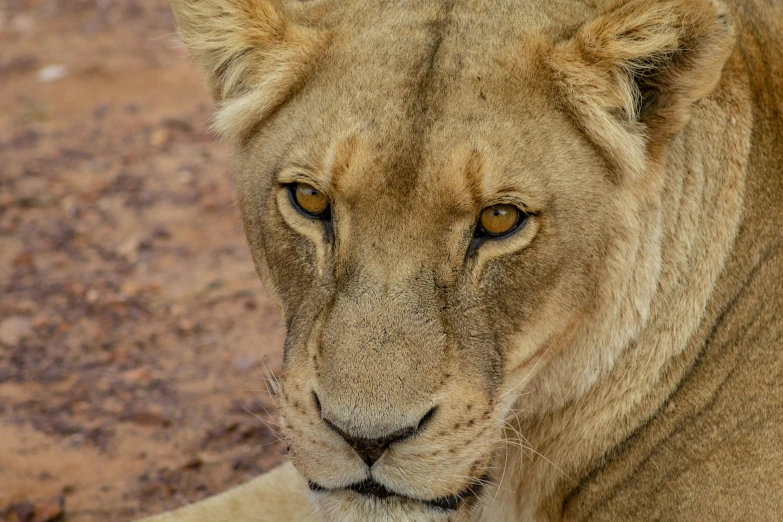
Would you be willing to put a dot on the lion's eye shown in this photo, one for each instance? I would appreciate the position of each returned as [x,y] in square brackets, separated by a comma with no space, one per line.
[499,220]
[309,200]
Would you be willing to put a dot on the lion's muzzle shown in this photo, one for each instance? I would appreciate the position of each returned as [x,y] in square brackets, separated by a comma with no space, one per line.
[370,450]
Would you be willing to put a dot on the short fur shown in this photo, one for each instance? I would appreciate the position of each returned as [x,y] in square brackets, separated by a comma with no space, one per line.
[620,357]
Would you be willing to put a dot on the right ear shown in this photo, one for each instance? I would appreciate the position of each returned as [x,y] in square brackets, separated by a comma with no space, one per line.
[252,56]
[631,76]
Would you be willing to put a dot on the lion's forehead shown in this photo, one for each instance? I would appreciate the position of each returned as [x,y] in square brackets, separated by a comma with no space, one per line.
[490,22]
[405,65]
[427,109]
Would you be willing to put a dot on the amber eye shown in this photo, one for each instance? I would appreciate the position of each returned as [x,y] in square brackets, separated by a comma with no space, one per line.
[499,220]
[310,200]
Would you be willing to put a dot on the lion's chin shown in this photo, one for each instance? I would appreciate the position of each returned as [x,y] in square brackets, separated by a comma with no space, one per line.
[351,506]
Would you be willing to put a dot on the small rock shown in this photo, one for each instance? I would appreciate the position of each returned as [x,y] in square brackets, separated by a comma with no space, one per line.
[22,23]
[161,232]
[52,73]
[129,249]
[23,259]
[148,417]
[92,296]
[137,375]
[74,441]
[186,326]
[178,124]
[40,321]
[185,177]
[74,288]
[159,137]
[14,329]
[158,487]
[21,512]
[112,405]
[129,288]
[194,462]
[49,510]
[119,356]
[44,510]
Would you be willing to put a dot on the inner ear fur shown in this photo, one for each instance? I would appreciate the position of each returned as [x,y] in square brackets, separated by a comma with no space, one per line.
[631,75]
[252,57]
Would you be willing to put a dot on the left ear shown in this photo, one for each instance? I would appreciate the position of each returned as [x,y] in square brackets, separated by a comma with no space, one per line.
[631,76]
[253,57]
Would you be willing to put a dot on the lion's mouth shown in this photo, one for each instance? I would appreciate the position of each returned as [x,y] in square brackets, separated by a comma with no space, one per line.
[370,488]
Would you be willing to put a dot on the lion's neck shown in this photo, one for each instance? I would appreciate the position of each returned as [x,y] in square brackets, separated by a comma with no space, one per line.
[550,450]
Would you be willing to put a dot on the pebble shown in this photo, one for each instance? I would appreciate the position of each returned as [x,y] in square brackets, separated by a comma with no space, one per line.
[15,329]
[194,462]
[49,510]
[148,417]
[45,510]
[22,23]
[137,375]
[52,73]
[159,137]
[129,249]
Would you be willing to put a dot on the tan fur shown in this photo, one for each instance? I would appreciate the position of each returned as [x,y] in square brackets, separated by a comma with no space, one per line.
[620,357]
[252,57]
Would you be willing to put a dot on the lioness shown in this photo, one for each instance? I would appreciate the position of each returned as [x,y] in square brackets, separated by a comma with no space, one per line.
[529,254]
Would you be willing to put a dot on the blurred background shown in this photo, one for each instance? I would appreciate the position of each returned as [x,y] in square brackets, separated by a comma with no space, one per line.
[135,338]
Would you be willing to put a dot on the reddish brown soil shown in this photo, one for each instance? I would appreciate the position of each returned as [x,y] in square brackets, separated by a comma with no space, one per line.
[134,334]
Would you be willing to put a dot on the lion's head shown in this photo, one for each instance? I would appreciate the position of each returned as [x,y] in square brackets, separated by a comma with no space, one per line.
[453,203]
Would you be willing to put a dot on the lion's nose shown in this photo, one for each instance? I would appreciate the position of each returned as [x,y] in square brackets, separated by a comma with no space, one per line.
[370,450]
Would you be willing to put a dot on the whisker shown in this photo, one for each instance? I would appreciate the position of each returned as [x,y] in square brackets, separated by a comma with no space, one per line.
[528,373]
[530,448]
[502,476]
[267,424]
[270,377]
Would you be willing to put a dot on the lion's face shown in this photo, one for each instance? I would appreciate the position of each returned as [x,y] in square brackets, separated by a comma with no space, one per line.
[406,320]
[443,234]
[405,317]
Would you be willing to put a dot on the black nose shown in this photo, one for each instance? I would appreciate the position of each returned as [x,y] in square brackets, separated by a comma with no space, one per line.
[370,450]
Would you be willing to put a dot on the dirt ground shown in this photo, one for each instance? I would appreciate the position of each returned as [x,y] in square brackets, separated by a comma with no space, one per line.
[135,337]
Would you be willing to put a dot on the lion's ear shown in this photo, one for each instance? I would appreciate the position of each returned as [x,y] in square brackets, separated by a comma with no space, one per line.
[630,76]
[252,56]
